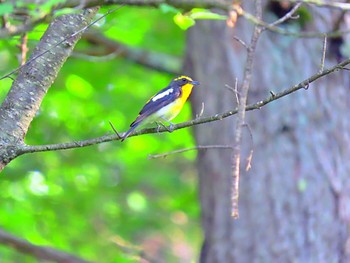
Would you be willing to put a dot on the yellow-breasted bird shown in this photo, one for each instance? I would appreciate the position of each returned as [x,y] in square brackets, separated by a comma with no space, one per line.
[166,104]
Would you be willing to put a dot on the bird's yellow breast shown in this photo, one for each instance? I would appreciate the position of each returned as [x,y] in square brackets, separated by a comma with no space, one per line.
[170,111]
[186,91]
[179,103]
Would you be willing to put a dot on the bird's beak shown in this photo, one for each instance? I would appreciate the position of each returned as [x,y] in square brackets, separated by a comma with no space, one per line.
[193,82]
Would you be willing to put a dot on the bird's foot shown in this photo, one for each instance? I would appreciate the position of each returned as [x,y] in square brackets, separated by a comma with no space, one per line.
[169,128]
[159,125]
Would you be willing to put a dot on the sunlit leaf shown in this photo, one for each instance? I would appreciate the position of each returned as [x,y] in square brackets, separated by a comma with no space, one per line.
[199,13]
[183,21]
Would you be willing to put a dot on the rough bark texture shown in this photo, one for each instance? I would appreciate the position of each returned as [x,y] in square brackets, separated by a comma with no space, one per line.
[34,79]
[295,202]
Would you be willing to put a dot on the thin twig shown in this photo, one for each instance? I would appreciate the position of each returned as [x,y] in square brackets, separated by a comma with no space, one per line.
[236,91]
[287,16]
[23,149]
[253,19]
[24,48]
[154,60]
[240,41]
[200,114]
[115,130]
[323,3]
[250,156]
[199,147]
[236,160]
[324,49]
[91,58]
[11,30]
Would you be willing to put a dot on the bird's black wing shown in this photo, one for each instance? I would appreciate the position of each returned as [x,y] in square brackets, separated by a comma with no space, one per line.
[158,101]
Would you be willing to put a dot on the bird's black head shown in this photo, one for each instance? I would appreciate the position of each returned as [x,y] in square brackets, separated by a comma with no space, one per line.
[183,80]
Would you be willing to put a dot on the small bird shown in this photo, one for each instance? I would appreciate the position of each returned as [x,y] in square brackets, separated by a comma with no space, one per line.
[166,104]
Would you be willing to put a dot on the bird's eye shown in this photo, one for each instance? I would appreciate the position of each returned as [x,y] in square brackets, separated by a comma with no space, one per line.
[184,79]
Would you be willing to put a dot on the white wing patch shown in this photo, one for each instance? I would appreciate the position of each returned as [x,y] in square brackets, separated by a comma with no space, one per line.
[163,94]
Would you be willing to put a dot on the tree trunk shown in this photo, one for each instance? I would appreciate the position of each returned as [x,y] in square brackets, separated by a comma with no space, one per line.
[295,201]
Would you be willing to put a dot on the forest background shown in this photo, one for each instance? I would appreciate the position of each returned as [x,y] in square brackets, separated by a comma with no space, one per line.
[114,202]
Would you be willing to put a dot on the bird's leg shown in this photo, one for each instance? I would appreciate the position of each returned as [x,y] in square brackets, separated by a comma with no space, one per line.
[159,124]
[171,125]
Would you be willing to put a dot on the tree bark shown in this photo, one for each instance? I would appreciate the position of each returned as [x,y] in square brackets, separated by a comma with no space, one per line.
[295,201]
[34,79]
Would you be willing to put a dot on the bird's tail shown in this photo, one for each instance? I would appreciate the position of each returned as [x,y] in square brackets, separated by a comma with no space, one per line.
[126,135]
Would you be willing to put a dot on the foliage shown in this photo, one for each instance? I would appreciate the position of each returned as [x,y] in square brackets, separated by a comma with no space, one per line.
[96,202]
[188,19]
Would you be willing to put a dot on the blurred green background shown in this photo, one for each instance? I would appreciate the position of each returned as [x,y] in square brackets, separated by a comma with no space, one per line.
[106,203]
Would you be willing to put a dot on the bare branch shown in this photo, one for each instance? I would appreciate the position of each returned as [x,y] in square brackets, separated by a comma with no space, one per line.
[253,19]
[27,91]
[250,156]
[24,48]
[156,61]
[224,5]
[200,114]
[243,96]
[240,41]
[53,46]
[115,130]
[324,49]
[39,252]
[323,3]
[23,149]
[10,30]
[234,90]
[287,16]
[199,147]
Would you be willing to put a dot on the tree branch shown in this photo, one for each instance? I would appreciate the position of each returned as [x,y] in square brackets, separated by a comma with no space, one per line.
[224,5]
[287,16]
[273,28]
[322,3]
[39,252]
[11,30]
[23,149]
[185,4]
[199,147]
[161,62]
[243,97]
[35,78]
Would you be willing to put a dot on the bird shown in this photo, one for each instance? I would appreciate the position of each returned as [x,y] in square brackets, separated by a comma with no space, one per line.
[164,105]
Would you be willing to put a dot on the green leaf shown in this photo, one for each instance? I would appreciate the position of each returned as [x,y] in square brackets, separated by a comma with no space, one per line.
[6,8]
[165,8]
[304,16]
[200,13]
[183,21]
